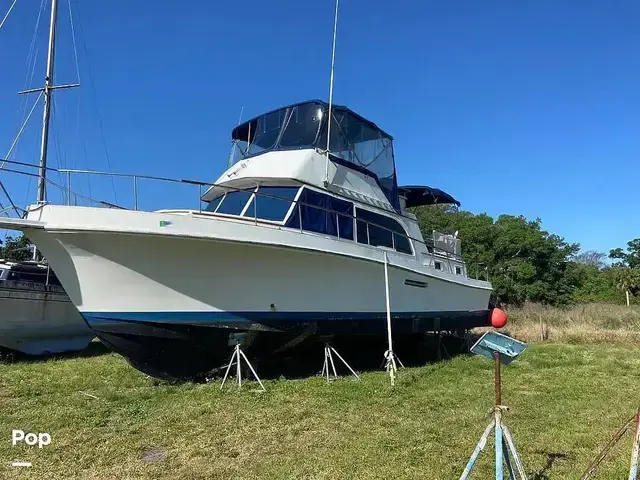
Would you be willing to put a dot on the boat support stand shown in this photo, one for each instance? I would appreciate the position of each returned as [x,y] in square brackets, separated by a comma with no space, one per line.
[330,365]
[237,357]
[502,451]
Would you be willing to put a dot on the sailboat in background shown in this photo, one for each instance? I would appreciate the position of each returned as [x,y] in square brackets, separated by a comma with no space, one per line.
[36,315]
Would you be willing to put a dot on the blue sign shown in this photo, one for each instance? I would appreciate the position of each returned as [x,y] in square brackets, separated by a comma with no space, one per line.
[508,348]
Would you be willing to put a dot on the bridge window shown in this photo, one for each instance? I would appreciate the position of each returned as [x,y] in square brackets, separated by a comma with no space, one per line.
[323,214]
[271,203]
[381,231]
[233,202]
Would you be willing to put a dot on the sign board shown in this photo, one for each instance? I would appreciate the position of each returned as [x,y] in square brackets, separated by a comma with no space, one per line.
[508,348]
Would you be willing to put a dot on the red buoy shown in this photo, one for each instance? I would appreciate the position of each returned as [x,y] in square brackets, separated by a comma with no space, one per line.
[497,318]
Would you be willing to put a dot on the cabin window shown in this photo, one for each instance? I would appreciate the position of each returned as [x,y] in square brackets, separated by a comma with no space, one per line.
[213,204]
[323,213]
[438,266]
[271,203]
[381,231]
[458,271]
[233,202]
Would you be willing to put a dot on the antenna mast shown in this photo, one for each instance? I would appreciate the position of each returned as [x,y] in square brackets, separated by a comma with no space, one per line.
[48,87]
[233,147]
[333,60]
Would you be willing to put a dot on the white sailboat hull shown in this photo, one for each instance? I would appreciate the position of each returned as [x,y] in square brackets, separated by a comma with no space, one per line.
[38,322]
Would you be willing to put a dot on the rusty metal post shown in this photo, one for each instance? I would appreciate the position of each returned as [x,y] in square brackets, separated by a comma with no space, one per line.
[593,466]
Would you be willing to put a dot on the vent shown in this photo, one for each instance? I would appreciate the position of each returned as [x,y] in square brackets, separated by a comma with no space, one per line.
[415,283]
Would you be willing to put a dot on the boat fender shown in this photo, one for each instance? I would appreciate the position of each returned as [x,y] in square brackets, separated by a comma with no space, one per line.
[497,318]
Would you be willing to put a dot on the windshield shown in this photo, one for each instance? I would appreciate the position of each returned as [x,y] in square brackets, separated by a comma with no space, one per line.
[288,128]
[354,141]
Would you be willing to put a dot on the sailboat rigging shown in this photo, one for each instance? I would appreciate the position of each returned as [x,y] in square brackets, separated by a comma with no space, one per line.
[36,314]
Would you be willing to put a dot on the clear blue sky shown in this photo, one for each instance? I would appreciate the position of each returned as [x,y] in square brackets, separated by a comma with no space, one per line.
[526,108]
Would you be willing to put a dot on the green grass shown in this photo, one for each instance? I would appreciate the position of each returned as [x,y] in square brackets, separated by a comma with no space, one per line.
[566,401]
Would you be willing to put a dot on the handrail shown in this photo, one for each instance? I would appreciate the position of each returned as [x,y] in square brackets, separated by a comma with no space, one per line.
[429,243]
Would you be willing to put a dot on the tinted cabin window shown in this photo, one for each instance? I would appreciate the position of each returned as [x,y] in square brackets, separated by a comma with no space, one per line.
[213,204]
[323,214]
[271,203]
[233,202]
[381,231]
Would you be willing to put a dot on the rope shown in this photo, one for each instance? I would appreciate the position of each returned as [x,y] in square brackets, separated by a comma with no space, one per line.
[7,15]
[24,125]
[73,38]
[92,87]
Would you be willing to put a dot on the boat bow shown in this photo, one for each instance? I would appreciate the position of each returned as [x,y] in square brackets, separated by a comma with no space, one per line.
[21,224]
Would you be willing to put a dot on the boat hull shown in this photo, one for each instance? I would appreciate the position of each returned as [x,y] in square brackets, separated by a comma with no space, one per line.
[178,347]
[39,320]
[169,291]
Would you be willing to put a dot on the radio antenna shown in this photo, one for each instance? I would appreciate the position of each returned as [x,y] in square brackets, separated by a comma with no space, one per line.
[333,61]
[233,146]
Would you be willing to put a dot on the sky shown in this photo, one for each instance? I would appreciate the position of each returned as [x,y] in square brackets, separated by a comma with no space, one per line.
[527,108]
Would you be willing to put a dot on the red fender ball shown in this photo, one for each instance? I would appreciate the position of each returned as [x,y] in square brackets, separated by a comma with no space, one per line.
[498,318]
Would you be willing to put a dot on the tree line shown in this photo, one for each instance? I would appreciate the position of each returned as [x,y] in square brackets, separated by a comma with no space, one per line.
[528,264]
[15,249]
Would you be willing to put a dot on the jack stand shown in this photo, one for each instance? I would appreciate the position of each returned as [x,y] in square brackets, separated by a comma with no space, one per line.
[237,357]
[501,430]
[633,471]
[328,361]
[390,359]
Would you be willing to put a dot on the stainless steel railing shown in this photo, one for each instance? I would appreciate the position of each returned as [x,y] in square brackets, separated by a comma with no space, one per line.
[439,246]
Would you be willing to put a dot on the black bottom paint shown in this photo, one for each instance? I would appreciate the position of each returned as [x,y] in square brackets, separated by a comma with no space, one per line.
[194,352]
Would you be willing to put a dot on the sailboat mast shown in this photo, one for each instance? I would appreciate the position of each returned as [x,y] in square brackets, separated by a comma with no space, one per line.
[48,88]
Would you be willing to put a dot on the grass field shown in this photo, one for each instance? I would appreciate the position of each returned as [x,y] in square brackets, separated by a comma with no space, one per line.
[566,401]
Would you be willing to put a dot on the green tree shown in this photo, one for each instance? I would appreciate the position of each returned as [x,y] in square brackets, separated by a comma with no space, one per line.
[630,258]
[627,279]
[15,249]
[524,262]
[627,274]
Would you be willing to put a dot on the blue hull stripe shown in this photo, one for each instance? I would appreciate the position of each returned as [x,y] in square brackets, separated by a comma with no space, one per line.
[253,316]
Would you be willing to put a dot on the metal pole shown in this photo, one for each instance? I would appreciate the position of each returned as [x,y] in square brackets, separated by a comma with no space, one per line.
[135,192]
[250,367]
[333,60]
[633,472]
[479,447]
[498,443]
[516,458]
[386,291]
[343,361]
[593,466]
[498,385]
[48,83]
[238,370]
[498,416]
[68,188]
